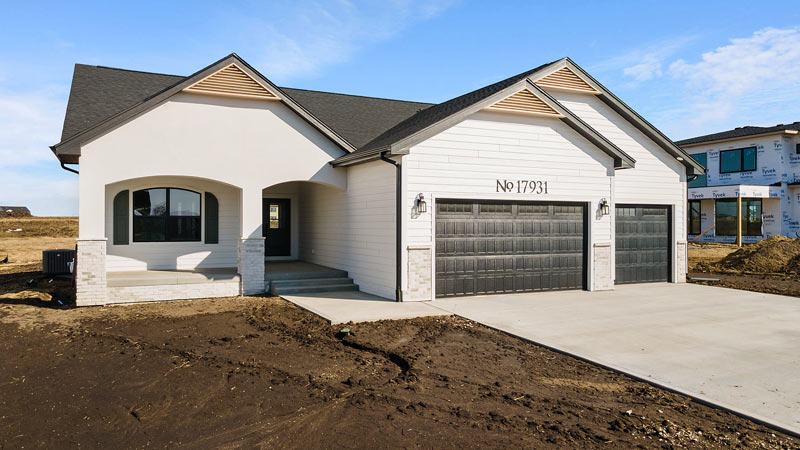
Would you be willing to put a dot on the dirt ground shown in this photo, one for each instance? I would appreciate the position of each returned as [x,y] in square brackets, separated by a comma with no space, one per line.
[771,266]
[258,372]
[261,373]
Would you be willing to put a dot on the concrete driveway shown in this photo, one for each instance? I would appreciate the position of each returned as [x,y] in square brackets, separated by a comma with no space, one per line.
[736,349]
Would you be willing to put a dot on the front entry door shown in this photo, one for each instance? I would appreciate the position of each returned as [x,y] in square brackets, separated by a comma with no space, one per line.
[277,227]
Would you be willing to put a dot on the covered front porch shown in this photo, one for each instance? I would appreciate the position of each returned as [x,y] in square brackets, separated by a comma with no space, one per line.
[280,278]
[180,237]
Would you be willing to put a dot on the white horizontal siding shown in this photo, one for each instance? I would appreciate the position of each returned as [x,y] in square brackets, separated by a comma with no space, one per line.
[353,230]
[658,177]
[466,161]
[176,255]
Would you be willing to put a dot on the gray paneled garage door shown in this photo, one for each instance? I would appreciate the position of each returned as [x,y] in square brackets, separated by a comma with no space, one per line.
[642,244]
[504,247]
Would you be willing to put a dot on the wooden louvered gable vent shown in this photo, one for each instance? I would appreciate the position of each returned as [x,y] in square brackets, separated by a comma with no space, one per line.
[231,81]
[565,78]
[526,102]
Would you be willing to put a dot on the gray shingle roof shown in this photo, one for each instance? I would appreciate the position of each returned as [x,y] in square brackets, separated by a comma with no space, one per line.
[439,112]
[99,92]
[739,132]
[358,119]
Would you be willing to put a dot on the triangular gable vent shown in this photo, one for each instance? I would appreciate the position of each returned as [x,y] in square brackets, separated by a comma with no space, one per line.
[231,81]
[526,102]
[565,78]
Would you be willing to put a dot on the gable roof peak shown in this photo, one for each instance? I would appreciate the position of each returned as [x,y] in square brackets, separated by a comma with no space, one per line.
[68,150]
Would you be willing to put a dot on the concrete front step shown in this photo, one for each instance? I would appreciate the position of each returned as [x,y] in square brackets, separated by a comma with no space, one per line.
[326,273]
[310,282]
[316,288]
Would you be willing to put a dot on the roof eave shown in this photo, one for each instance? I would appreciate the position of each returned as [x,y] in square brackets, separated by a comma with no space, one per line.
[69,146]
[400,147]
[640,122]
[728,139]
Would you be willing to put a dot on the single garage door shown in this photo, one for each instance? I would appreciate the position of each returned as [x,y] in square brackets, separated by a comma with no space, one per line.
[506,247]
[642,244]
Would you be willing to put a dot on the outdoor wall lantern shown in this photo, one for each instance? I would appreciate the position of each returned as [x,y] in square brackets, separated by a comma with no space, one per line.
[604,208]
[419,204]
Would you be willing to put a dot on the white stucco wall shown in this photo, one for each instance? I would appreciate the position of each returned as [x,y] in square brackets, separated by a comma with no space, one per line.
[175,255]
[466,161]
[249,144]
[353,229]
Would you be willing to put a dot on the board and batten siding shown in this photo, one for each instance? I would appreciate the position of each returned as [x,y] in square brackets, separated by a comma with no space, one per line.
[658,177]
[175,255]
[353,229]
[466,160]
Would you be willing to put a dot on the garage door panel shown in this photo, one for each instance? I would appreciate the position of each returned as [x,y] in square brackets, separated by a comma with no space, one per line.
[642,244]
[507,247]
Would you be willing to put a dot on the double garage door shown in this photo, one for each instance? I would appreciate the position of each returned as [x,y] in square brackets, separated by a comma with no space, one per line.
[510,247]
[507,247]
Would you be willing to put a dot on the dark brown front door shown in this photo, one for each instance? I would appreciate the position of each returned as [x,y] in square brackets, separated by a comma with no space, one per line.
[277,227]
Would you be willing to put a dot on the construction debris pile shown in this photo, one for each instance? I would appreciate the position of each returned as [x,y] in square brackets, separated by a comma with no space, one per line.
[774,255]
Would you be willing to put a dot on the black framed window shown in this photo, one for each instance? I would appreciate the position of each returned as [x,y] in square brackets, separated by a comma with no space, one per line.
[737,160]
[166,215]
[726,217]
[694,217]
[700,180]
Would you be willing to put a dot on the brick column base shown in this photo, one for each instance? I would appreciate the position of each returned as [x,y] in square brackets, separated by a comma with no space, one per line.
[251,265]
[419,273]
[90,272]
[682,262]
[603,279]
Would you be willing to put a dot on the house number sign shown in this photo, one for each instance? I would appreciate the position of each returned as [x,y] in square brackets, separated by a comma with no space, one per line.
[522,186]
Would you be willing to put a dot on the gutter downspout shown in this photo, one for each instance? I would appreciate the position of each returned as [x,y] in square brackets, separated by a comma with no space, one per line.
[69,170]
[398,227]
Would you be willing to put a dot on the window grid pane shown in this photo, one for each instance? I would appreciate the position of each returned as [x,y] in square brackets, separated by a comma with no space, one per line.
[166,214]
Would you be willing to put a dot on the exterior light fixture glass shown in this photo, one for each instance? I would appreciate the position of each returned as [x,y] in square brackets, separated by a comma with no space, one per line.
[604,208]
[420,205]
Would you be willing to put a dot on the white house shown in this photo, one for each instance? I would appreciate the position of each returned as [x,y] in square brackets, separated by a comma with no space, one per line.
[758,167]
[221,183]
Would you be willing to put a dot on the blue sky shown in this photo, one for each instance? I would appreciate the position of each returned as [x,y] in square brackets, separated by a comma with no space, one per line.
[690,68]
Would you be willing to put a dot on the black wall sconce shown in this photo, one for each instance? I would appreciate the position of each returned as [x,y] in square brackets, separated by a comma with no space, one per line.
[419,204]
[604,208]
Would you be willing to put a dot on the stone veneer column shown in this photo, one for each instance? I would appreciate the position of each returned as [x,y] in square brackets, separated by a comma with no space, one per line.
[603,279]
[251,265]
[419,273]
[90,272]
[681,262]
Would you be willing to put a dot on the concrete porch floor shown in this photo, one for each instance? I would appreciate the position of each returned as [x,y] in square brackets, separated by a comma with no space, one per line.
[171,277]
[287,267]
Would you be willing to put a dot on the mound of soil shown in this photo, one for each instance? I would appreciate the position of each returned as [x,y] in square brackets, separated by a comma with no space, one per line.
[261,373]
[774,255]
[31,287]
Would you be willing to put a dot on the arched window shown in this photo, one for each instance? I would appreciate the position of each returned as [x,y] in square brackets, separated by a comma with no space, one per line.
[166,215]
